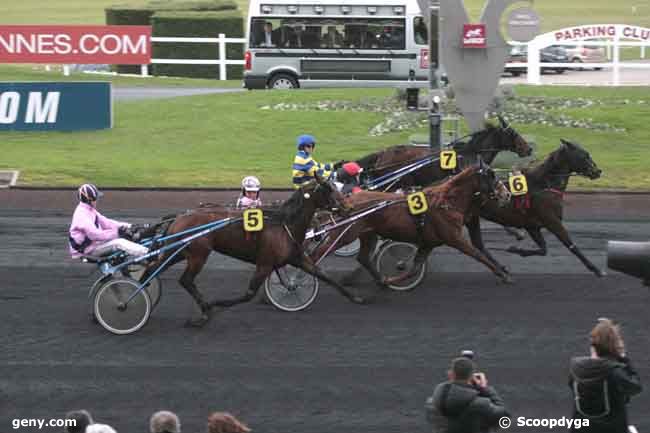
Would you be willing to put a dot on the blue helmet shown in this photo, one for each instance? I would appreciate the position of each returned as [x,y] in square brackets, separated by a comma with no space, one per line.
[306,140]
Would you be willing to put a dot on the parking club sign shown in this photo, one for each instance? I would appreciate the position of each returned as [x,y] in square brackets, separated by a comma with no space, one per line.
[474,36]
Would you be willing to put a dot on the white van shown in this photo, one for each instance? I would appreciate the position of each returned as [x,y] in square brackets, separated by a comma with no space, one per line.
[335,43]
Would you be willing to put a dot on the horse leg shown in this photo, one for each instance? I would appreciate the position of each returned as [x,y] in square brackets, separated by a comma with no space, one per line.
[556,227]
[307,265]
[515,233]
[262,271]
[368,245]
[467,248]
[420,257]
[195,263]
[474,229]
[536,235]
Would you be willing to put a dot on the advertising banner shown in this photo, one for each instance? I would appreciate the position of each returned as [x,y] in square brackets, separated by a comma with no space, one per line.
[474,36]
[55,106]
[124,45]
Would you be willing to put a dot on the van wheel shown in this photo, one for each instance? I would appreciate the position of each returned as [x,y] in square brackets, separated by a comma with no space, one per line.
[283,81]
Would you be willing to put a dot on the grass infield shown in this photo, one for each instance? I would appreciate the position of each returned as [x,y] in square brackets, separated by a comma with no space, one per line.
[215,140]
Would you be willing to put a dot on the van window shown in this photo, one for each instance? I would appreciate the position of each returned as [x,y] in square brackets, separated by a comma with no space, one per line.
[420,33]
[328,33]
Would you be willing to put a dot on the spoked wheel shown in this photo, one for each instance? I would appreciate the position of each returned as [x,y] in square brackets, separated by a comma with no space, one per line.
[114,313]
[295,291]
[396,258]
[349,250]
[154,289]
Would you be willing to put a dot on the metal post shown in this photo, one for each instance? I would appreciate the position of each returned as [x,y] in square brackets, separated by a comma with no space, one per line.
[617,59]
[435,116]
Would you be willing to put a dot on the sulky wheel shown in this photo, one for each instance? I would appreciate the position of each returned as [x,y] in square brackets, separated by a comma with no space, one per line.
[113,311]
[396,258]
[154,289]
[349,250]
[293,290]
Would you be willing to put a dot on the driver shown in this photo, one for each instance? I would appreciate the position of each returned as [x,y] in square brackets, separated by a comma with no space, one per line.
[304,166]
[348,176]
[250,193]
[93,233]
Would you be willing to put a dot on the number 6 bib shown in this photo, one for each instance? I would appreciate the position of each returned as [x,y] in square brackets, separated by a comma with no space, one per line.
[518,184]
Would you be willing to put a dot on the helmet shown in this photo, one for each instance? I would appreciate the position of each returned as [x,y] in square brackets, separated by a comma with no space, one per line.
[352,168]
[306,140]
[251,183]
[88,193]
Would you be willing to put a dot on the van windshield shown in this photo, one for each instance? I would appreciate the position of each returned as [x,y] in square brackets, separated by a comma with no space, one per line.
[328,33]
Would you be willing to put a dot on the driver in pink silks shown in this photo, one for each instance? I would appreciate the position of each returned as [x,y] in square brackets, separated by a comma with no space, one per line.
[250,193]
[91,233]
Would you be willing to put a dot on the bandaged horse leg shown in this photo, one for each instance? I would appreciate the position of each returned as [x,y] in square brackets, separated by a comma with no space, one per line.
[262,272]
[465,247]
[368,245]
[307,265]
[555,226]
[420,258]
[515,233]
[195,263]
[536,235]
[474,229]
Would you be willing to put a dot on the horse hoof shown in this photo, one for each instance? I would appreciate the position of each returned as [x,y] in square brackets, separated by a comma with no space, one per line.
[197,323]
[513,250]
[358,300]
[600,274]
[507,279]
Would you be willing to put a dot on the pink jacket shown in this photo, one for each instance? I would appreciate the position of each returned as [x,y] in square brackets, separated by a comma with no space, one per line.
[245,202]
[90,224]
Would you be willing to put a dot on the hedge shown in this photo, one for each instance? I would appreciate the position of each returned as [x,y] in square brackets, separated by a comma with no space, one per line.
[131,15]
[197,24]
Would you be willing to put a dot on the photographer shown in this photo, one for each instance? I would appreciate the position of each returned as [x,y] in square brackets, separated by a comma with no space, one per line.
[603,383]
[465,404]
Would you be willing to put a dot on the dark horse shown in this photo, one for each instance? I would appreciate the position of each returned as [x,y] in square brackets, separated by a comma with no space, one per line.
[542,206]
[486,143]
[441,224]
[278,244]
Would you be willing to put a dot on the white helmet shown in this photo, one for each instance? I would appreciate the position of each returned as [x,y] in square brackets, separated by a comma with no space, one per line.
[251,183]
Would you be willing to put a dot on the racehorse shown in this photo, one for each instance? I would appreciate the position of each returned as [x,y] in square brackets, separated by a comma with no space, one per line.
[486,143]
[542,206]
[441,224]
[278,244]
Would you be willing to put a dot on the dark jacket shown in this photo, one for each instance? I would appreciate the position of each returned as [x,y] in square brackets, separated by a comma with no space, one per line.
[462,408]
[603,387]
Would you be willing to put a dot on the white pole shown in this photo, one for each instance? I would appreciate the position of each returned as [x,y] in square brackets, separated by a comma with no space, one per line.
[617,57]
[643,51]
[144,70]
[66,70]
[47,68]
[222,57]
[533,69]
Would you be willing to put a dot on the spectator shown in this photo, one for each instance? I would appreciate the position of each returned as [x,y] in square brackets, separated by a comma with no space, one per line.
[603,383]
[269,37]
[100,428]
[223,422]
[82,419]
[164,422]
[465,403]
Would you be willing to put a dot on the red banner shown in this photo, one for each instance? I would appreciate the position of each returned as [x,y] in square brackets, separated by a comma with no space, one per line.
[474,36]
[125,45]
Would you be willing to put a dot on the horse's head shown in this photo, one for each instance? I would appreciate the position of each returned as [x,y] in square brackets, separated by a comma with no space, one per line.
[325,195]
[578,159]
[511,140]
[490,186]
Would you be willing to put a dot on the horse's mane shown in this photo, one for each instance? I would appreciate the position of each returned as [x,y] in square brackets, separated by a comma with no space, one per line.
[441,191]
[537,172]
[476,137]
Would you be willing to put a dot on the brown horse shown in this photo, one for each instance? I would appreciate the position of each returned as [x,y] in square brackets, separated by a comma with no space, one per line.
[441,224]
[542,206]
[278,244]
[486,143]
